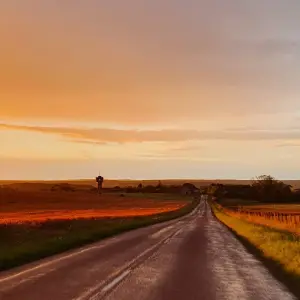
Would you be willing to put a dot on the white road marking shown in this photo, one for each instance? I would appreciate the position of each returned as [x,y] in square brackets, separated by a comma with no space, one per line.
[92,292]
[24,280]
[161,232]
[46,264]
[53,261]
[117,280]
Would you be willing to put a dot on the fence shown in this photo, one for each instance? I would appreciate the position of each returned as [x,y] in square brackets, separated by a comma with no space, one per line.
[273,218]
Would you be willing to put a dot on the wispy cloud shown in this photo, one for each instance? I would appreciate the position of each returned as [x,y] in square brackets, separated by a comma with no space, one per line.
[89,142]
[99,136]
[284,145]
[186,148]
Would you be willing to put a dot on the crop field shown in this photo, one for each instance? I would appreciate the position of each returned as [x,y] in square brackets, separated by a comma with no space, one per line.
[109,183]
[38,206]
[279,216]
[277,208]
[256,206]
[38,223]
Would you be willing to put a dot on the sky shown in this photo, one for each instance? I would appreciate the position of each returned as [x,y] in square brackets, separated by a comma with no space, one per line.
[149,89]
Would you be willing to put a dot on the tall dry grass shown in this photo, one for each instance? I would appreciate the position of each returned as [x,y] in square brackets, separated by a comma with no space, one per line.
[275,219]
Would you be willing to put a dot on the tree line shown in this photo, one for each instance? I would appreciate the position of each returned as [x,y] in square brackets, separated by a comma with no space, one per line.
[264,188]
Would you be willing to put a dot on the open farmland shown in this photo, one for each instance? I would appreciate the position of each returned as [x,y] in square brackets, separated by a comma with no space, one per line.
[38,206]
[256,206]
[36,224]
[278,208]
[280,216]
[109,183]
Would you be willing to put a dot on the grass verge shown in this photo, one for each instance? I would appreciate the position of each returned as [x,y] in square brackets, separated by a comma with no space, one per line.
[24,243]
[278,250]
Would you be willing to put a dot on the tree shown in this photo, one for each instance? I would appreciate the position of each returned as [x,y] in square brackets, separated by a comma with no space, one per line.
[149,189]
[216,190]
[189,189]
[140,187]
[160,188]
[268,189]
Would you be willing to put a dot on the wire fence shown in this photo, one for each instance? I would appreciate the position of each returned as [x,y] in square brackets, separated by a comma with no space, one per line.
[265,217]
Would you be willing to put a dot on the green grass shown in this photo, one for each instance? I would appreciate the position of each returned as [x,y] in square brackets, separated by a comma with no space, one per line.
[23,243]
[278,250]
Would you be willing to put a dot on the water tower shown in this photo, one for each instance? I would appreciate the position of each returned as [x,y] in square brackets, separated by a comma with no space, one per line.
[99,180]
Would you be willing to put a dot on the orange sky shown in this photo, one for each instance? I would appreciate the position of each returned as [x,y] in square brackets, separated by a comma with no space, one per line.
[141,90]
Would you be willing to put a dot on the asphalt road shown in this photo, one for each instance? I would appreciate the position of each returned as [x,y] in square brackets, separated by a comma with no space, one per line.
[194,257]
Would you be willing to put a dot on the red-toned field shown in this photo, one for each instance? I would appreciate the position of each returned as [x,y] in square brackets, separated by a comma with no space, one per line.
[36,222]
[37,206]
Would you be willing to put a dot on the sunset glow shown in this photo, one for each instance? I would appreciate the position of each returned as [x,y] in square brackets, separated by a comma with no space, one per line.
[179,89]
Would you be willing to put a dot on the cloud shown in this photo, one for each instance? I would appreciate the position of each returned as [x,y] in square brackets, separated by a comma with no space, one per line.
[186,148]
[284,145]
[100,136]
[89,142]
